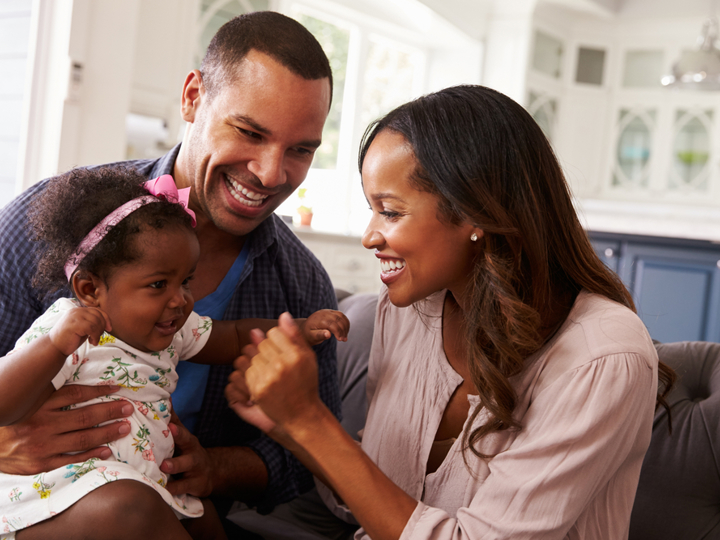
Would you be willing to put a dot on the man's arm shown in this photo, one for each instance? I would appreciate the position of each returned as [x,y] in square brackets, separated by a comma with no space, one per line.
[235,472]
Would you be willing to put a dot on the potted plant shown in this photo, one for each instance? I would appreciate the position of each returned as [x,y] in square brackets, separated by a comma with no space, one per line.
[304,210]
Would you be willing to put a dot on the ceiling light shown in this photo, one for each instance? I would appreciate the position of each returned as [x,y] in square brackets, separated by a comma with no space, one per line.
[698,69]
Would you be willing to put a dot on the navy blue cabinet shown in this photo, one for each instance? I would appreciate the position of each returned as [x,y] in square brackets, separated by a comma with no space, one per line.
[675,283]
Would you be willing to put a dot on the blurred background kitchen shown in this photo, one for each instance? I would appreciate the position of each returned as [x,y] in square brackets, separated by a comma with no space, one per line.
[627,91]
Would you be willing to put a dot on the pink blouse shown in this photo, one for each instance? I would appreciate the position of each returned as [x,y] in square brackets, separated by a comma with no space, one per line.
[585,404]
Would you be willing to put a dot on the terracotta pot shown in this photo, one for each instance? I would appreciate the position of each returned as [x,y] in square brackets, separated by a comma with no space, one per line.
[305,219]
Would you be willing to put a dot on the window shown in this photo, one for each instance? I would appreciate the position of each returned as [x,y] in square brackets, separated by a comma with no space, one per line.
[373,73]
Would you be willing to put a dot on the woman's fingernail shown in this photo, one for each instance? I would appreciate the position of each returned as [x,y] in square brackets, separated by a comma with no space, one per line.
[124,428]
[105,454]
[127,410]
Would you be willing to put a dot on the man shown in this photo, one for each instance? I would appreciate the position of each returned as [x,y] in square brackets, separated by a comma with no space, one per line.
[255,113]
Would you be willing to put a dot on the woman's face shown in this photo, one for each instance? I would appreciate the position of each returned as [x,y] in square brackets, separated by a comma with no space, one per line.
[419,254]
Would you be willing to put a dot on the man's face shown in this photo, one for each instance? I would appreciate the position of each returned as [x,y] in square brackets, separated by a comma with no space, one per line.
[250,146]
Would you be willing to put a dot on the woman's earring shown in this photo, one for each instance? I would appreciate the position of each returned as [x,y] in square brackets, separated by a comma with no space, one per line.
[473,237]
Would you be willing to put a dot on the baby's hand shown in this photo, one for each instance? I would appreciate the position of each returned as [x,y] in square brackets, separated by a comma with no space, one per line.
[322,324]
[76,326]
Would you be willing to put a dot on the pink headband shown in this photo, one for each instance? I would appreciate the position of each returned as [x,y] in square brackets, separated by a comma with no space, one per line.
[162,187]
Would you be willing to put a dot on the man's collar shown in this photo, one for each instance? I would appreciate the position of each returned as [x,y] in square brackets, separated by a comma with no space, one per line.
[263,236]
[166,164]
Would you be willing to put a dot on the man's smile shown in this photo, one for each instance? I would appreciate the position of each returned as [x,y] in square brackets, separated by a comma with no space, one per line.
[242,194]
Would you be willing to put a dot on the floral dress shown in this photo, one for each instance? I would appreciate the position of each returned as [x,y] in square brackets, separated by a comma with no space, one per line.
[146,381]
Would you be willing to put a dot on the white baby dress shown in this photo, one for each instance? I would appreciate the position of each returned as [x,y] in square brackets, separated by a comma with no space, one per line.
[146,381]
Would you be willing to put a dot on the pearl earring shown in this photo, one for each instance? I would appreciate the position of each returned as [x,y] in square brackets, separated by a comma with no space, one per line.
[473,237]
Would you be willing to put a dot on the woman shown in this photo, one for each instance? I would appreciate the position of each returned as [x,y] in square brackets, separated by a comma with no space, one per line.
[511,387]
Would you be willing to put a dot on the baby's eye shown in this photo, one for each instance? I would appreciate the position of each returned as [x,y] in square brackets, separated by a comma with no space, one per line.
[158,284]
[187,281]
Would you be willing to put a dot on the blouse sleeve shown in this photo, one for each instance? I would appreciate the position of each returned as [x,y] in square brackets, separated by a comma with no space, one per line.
[584,431]
[378,345]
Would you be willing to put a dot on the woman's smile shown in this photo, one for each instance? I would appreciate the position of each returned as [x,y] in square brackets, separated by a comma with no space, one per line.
[391,268]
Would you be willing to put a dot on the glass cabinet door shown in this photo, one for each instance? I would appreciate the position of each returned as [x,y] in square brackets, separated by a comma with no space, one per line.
[634,146]
[691,150]
[547,54]
[543,109]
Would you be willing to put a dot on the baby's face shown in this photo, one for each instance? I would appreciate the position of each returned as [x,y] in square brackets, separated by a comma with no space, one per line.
[149,300]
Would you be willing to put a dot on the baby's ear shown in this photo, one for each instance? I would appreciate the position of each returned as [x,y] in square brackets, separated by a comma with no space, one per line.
[88,288]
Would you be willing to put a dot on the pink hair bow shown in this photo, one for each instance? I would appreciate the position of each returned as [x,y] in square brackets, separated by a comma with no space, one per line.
[163,187]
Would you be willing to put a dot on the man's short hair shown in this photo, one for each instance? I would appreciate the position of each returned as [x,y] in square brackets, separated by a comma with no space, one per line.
[280,37]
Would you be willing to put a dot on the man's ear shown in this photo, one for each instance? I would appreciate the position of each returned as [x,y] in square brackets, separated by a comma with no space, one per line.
[192,95]
[87,287]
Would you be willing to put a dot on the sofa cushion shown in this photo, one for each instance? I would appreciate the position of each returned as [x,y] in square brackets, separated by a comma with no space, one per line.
[679,491]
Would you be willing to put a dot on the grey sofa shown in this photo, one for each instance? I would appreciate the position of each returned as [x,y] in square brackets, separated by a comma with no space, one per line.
[679,492]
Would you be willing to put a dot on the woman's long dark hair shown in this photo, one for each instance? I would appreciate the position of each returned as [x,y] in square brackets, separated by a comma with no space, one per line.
[489,163]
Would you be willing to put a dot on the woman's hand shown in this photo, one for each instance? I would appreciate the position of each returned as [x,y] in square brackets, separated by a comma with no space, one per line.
[275,384]
[237,392]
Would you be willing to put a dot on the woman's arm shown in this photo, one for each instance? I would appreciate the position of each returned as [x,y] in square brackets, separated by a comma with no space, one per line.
[281,381]
[228,338]
[26,373]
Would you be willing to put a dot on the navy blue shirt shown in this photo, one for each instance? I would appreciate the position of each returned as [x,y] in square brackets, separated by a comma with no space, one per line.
[189,393]
[280,274]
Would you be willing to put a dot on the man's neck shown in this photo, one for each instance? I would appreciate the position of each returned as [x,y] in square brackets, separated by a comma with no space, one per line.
[181,179]
[218,252]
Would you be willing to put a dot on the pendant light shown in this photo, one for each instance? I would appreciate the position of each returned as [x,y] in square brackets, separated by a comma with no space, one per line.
[698,69]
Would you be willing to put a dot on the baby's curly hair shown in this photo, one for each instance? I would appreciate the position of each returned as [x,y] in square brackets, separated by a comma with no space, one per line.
[75,202]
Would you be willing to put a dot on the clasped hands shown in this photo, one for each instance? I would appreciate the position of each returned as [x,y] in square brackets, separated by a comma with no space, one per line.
[275,382]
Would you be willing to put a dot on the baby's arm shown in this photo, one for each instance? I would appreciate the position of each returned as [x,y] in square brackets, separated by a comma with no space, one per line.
[26,374]
[228,338]
[322,324]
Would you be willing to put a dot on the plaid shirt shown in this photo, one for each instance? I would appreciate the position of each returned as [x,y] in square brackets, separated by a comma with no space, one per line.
[280,274]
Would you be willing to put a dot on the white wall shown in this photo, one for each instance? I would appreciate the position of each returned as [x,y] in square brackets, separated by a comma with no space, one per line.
[103,41]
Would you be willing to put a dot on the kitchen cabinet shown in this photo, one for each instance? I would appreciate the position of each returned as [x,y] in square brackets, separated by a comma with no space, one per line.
[675,282]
